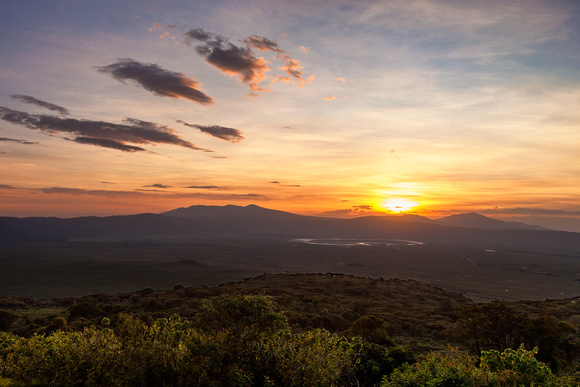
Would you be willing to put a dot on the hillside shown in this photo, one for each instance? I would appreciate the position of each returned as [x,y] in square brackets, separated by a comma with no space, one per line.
[421,317]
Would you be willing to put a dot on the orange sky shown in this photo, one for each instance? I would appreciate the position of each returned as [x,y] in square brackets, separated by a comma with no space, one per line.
[331,108]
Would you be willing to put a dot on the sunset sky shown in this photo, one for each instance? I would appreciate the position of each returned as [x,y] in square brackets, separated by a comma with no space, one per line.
[331,108]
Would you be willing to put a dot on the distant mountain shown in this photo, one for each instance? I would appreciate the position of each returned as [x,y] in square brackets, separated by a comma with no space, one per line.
[562,223]
[474,220]
[257,222]
[231,212]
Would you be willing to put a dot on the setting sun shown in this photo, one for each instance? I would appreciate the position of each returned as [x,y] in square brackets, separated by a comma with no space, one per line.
[399,205]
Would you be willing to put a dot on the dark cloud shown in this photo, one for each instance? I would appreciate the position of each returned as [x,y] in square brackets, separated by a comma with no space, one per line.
[138,193]
[163,186]
[228,134]
[107,143]
[284,185]
[241,61]
[206,187]
[357,210]
[262,44]
[107,182]
[80,191]
[33,101]
[159,81]
[346,211]
[132,130]
[18,141]
[230,59]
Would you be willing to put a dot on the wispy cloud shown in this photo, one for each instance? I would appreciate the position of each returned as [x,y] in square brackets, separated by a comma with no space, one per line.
[228,134]
[262,44]
[94,132]
[154,193]
[206,187]
[107,143]
[357,210]
[33,101]
[329,98]
[159,81]
[285,185]
[157,185]
[18,141]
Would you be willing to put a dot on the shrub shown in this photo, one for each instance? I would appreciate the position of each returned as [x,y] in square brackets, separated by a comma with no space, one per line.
[6,320]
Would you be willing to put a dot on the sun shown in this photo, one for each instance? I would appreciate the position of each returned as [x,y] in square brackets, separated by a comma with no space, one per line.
[399,205]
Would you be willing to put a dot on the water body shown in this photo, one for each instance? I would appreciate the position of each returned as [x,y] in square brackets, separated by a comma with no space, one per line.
[358,242]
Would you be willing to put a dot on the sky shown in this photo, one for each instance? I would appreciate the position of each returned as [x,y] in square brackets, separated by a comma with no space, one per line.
[328,108]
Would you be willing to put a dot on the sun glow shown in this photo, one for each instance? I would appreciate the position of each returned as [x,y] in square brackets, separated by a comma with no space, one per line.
[399,205]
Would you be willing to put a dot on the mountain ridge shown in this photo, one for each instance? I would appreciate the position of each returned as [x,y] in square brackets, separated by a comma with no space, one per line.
[257,222]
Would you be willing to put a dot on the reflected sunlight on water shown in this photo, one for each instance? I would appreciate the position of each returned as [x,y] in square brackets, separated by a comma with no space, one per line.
[358,242]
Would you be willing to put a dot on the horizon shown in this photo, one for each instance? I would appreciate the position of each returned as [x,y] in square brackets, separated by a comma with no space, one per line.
[550,223]
[331,109]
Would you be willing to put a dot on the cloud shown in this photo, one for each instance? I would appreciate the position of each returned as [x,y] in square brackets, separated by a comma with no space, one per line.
[80,191]
[18,141]
[305,50]
[340,79]
[107,143]
[329,98]
[241,61]
[206,187]
[262,44]
[284,185]
[228,134]
[139,193]
[155,27]
[293,68]
[229,58]
[47,105]
[159,81]
[357,210]
[163,186]
[89,132]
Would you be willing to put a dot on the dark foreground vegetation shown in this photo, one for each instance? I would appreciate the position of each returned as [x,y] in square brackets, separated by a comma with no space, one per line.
[290,330]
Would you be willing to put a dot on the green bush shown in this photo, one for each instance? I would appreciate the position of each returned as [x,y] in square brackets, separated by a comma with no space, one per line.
[507,368]
[239,341]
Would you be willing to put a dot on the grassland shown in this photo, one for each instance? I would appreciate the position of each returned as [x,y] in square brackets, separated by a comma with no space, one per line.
[76,268]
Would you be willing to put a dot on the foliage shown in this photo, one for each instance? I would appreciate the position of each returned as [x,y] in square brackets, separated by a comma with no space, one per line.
[6,320]
[375,361]
[494,325]
[507,368]
[240,337]
[372,329]
[250,345]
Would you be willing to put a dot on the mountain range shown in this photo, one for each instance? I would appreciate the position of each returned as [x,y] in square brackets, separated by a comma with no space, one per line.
[258,222]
